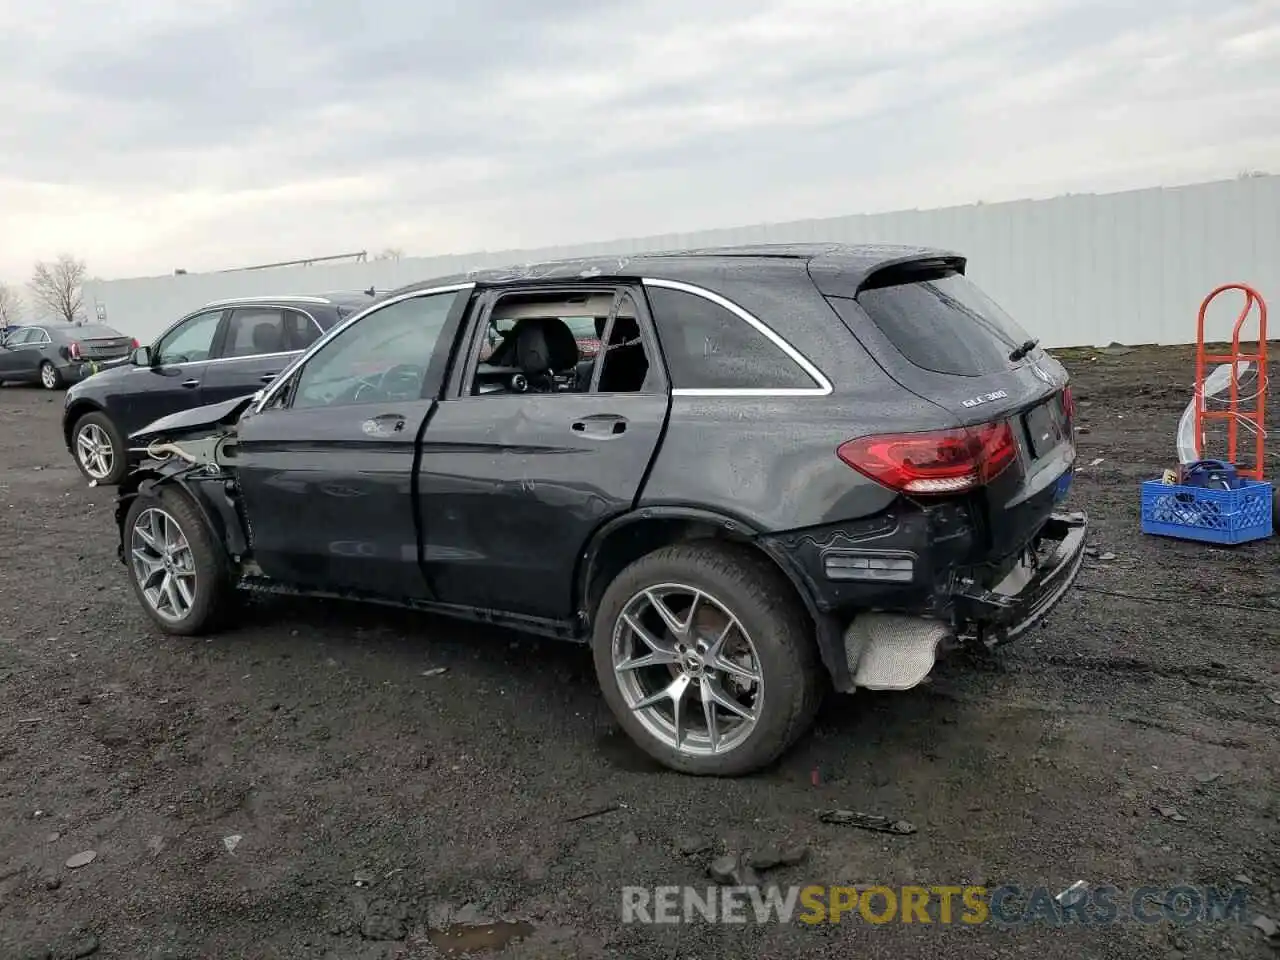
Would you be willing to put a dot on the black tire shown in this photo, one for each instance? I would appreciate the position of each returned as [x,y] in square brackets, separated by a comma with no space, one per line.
[214,597]
[120,450]
[49,371]
[766,605]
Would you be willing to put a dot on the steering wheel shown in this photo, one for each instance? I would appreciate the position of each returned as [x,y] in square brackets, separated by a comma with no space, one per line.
[407,373]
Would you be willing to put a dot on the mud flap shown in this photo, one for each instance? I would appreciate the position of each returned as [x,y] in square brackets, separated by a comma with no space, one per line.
[891,651]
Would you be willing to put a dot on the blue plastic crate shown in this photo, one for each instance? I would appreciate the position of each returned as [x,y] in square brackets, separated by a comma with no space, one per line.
[1205,514]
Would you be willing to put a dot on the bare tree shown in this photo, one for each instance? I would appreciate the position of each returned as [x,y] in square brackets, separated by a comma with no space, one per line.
[57,287]
[391,253]
[10,305]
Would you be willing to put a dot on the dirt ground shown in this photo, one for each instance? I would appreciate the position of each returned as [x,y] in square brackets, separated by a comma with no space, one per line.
[315,735]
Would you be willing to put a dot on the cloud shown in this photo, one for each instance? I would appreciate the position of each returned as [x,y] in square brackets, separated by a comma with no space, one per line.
[229,132]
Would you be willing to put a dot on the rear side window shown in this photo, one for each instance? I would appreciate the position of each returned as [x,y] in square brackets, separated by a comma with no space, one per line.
[708,347]
[941,322]
[300,330]
[254,331]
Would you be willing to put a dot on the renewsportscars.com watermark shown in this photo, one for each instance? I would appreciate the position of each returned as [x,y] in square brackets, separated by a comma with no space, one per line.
[1005,905]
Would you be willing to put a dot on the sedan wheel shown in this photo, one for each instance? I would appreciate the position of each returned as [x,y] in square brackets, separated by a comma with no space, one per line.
[687,669]
[49,377]
[163,564]
[95,451]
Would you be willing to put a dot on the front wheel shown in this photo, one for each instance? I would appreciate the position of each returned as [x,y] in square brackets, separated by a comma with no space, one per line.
[99,449]
[706,658]
[50,378]
[178,569]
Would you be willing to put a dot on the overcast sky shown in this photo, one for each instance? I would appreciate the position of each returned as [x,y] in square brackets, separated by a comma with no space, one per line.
[154,134]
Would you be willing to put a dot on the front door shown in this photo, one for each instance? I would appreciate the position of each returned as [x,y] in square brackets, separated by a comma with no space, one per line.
[173,382]
[20,361]
[326,467]
[512,484]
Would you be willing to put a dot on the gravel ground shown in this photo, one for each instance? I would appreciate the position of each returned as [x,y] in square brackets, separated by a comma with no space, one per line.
[315,735]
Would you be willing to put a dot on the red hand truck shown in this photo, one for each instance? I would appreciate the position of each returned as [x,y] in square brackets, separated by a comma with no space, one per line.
[1235,411]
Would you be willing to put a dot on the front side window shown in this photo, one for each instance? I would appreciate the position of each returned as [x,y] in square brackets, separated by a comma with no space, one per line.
[383,357]
[189,342]
[709,347]
[253,331]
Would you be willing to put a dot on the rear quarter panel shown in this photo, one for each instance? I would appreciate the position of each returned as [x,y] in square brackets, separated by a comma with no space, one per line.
[771,461]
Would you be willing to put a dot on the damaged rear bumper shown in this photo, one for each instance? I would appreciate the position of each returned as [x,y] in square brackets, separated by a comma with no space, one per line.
[895,647]
[1027,595]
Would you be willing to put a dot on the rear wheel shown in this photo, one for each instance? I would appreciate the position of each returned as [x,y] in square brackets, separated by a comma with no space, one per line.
[706,658]
[99,449]
[178,569]
[50,378]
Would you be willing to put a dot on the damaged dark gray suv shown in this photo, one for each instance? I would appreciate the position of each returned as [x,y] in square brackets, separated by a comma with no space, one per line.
[787,467]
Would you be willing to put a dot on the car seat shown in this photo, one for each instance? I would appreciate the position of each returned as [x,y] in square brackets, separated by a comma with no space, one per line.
[267,338]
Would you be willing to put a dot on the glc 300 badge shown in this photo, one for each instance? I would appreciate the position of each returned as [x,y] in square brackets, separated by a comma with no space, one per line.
[985,398]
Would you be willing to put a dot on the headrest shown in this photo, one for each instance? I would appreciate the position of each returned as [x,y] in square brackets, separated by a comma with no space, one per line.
[545,343]
[266,338]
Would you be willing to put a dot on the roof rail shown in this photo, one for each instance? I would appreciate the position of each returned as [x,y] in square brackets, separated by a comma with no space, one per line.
[283,297]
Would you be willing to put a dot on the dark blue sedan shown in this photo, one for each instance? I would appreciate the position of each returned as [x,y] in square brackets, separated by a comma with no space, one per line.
[224,350]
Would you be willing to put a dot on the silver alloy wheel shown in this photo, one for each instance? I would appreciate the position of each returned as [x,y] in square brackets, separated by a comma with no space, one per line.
[48,376]
[687,669]
[95,451]
[163,564]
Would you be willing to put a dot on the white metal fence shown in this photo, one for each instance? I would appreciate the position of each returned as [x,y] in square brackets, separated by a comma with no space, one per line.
[1076,270]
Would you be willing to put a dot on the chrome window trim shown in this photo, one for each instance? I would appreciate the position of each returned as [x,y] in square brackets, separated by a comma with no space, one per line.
[278,383]
[258,301]
[822,389]
[210,308]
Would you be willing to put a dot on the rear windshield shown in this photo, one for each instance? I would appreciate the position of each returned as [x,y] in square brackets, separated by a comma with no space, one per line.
[96,331]
[941,322]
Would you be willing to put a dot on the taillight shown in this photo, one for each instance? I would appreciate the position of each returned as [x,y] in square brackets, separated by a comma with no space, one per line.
[134,343]
[1069,406]
[75,350]
[942,461]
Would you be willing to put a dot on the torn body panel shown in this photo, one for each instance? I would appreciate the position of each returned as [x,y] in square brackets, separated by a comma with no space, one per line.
[897,589]
[199,465]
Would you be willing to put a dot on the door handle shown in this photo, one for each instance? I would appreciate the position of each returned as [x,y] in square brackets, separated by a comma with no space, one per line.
[600,427]
[268,377]
[191,384]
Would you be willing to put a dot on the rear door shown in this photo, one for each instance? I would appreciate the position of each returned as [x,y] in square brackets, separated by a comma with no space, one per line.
[511,483]
[256,345]
[326,468]
[936,333]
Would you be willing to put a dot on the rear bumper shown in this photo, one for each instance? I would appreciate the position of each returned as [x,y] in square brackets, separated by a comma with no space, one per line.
[909,569]
[77,370]
[996,617]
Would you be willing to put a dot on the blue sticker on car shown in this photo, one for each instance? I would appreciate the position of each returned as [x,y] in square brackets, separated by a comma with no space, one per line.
[1063,487]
